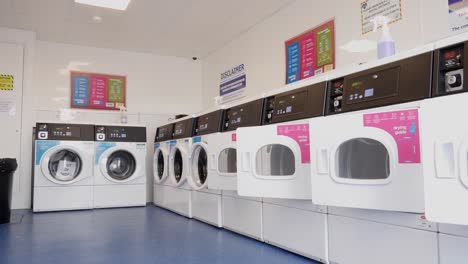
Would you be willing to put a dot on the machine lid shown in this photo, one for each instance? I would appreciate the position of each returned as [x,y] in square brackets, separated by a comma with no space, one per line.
[121,165]
[305,102]
[183,129]
[164,133]
[57,131]
[65,165]
[120,133]
[208,124]
[244,115]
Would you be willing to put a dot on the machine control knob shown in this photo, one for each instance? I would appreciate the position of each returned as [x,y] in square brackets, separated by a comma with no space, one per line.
[454,80]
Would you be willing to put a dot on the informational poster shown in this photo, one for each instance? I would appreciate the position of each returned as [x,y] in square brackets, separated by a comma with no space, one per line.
[458,15]
[6,82]
[372,8]
[233,81]
[311,53]
[97,91]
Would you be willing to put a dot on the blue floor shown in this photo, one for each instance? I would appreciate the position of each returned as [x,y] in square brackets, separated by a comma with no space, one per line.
[129,235]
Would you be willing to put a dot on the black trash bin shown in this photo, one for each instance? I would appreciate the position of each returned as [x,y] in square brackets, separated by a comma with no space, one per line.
[7,169]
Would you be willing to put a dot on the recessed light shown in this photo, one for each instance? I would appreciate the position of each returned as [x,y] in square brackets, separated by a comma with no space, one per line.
[112,4]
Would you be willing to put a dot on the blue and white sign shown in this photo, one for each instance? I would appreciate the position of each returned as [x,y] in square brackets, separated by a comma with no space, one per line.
[233,80]
[293,62]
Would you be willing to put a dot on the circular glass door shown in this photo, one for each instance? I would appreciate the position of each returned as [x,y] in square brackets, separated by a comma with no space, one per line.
[200,166]
[159,164]
[178,165]
[65,165]
[120,165]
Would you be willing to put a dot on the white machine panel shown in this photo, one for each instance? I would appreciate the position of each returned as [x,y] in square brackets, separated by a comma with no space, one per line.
[445,143]
[368,160]
[273,161]
[243,216]
[178,200]
[121,195]
[452,249]
[206,207]
[222,155]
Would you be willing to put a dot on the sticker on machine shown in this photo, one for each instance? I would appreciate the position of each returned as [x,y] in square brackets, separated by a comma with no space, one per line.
[300,134]
[233,137]
[403,126]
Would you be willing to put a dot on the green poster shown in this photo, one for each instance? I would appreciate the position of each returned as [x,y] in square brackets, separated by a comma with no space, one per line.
[324,47]
[115,92]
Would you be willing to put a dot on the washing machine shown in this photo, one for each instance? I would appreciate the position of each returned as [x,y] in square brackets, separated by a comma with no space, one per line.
[120,166]
[63,169]
[178,191]
[240,214]
[206,202]
[161,163]
[274,163]
[446,136]
[366,150]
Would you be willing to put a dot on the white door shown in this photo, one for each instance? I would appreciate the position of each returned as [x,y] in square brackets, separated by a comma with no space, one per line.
[273,161]
[63,165]
[368,160]
[178,164]
[222,155]
[445,144]
[11,90]
[160,162]
[198,165]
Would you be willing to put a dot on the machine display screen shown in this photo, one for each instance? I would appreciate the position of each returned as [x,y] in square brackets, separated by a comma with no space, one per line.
[117,133]
[290,104]
[203,123]
[235,117]
[66,131]
[179,129]
[162,131]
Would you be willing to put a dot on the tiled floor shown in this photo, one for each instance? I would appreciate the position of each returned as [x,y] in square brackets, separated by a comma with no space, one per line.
[130,235]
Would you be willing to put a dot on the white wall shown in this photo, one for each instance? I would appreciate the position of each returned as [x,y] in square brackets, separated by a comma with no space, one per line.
[157,87]
[261,49]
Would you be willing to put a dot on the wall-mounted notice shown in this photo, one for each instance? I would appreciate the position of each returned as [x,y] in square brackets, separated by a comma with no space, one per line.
[233,81]
[372,8]
[311,53]
[6,82]
[97,91]
[458,15]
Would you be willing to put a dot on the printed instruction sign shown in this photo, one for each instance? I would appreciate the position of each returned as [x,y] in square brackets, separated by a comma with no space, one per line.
[233,81]
[97,91]
[458,15]
[311,53]
[6,82]
[372,8]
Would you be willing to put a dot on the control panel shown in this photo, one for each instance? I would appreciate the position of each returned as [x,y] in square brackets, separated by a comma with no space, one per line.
[449,70]
[164,133]
[120,134]
[54,131]
[184,128]
[244,115]
[208,123]
[336,95]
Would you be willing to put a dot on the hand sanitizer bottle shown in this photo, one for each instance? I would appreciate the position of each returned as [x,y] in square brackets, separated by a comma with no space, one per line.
[123,115]
[386,45]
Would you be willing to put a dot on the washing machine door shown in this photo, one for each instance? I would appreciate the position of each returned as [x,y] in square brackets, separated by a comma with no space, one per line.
[368,160]
[63,165]
[445,144]
[198,164]
[160,163]
[274,161]
[119,165]
[178,165]
[222,155]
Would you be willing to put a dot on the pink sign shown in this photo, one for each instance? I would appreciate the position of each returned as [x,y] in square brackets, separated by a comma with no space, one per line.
[233,137]
[403,126]
[97,94]
[300,134]
[308,55]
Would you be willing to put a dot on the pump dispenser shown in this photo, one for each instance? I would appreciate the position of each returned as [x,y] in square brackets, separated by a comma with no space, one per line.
[386,46]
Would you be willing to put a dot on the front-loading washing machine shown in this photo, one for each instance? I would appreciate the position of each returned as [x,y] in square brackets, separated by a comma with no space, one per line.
[240,214]
[63,170]
[179,192]
[371,159]
[206,203]
[273,163]
[446,135]
[120,166]
[161,163]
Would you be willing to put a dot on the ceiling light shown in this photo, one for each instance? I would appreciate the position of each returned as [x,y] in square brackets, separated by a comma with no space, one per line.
[112,4]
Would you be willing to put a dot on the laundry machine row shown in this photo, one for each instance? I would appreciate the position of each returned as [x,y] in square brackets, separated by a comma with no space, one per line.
[82,166]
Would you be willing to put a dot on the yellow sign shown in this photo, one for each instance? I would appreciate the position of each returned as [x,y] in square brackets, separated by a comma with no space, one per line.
[6,82]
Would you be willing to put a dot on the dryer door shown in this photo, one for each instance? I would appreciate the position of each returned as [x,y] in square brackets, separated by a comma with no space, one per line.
[160,163]
[62,164]
[178,166]
[119,165]
[273,161]
[445,144]
[198,165]
[368,160]
[222,155]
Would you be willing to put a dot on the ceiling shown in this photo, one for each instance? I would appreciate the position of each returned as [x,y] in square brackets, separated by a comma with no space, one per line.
[186,28]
